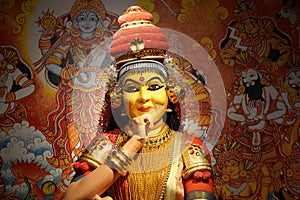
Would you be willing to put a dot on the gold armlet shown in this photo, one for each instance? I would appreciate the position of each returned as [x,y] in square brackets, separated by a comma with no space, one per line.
[195,158]
[27,83]
[64,74]
[62,52]
[266,180]
[20,77]
[52,59]
[10,97]
[44,44]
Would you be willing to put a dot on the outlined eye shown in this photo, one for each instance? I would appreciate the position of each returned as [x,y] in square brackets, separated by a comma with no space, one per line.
[80,19]
[94,19]
[154,87]
[131,89]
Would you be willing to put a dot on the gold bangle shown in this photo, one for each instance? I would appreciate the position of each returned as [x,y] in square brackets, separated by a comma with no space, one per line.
[44,44]
[266,181]
[27,83]
[119,161]
[52,59]
[10,97]
[121,155]
[62,52]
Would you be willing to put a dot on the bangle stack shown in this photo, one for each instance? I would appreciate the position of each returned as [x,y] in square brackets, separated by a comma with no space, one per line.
[119,160]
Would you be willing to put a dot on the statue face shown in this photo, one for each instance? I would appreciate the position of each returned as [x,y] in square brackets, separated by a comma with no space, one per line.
[144,93]
[87,21]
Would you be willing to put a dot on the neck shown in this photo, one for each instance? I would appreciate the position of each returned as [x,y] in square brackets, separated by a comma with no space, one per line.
[157,128]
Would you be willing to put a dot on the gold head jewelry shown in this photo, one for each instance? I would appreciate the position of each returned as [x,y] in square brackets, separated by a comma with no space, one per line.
[81,5]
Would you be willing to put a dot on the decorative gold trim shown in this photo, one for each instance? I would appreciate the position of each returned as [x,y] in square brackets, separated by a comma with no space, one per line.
[142,54]
[195,158]
[136,23]
[90,160]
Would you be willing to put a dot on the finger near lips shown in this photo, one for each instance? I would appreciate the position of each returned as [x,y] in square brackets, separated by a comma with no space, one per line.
[147,122]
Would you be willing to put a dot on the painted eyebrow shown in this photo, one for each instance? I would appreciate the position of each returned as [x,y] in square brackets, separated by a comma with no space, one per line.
[152,78]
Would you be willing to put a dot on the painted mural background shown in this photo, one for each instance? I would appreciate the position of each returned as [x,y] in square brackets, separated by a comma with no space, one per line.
[53,76]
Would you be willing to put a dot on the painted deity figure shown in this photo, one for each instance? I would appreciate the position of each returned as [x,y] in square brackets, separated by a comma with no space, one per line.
[290,175]
[253,39]
[143,142]
[258,107]
[291,97]
[15,84]
[237,177]
[293,81]
[77,62]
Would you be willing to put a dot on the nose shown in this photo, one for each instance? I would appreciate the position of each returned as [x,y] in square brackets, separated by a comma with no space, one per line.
[144,94]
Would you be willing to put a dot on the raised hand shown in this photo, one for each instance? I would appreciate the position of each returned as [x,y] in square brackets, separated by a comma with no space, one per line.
[141,125]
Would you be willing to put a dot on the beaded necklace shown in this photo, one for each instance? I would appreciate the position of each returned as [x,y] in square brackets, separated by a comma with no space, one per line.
[148,176]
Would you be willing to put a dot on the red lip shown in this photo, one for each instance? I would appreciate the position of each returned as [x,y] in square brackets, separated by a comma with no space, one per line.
[144,109]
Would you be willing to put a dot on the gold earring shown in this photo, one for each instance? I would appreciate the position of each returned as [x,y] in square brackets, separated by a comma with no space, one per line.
[116,96]
[169,110]
[123,114]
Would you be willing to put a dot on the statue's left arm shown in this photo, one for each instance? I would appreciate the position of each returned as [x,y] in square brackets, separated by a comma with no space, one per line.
[197,174]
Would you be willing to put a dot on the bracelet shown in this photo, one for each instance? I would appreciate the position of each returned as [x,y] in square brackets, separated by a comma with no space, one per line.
[119,160]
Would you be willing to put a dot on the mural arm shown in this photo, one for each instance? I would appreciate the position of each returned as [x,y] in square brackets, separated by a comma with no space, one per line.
[26,84]
[280,105]
[232,110]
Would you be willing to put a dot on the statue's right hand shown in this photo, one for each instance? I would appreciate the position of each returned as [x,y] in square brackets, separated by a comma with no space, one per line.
[141,125]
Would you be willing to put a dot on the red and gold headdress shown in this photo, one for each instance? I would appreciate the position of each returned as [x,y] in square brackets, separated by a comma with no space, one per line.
[138,38]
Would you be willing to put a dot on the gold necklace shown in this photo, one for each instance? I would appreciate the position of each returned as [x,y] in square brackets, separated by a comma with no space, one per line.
[148,175]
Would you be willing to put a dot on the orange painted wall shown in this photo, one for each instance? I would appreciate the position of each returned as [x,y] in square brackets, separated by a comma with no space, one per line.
[254,132]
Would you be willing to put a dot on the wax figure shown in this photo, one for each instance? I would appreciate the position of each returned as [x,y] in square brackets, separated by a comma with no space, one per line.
[143,154]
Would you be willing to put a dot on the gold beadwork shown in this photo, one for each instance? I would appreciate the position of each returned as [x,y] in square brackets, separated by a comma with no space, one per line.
[152,165]
[136,23]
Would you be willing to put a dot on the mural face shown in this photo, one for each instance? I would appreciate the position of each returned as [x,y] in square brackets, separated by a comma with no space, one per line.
[55,68]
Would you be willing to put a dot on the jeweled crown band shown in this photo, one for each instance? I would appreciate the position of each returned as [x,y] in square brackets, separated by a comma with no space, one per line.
[136,24]
[143,64]
[155,54]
